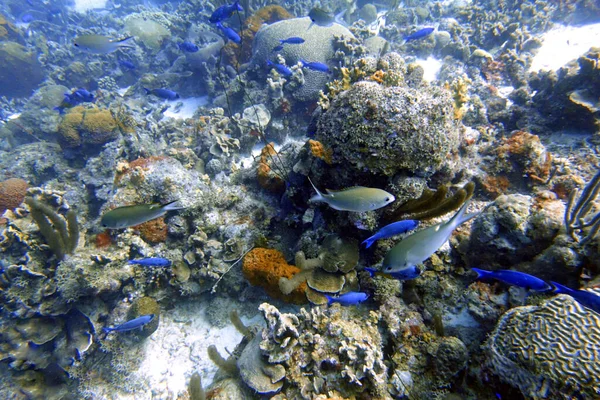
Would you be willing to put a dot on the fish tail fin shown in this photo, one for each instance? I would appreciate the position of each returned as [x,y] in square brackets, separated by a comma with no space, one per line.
[124,43]
[329,298]
[561,289]
[481,274]
[368,242]
[460,217]
[172,205]
[371,271]
[107,330]
[146,90]
[318,196]
[281,41]
[238,6]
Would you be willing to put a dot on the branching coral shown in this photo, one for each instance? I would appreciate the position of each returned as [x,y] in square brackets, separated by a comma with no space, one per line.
[61,232]
[432,204]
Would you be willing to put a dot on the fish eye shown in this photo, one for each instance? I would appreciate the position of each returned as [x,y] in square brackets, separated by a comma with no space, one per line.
[387,199]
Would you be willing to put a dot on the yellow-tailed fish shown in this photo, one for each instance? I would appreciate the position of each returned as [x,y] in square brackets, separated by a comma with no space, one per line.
[418,247]
[124,217]
[357,199]
[99,44]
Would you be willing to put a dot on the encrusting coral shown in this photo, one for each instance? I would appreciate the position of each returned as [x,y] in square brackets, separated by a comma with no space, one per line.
[265,267]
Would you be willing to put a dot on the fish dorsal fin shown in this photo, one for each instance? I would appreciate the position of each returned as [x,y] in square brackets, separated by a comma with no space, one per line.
[332,191]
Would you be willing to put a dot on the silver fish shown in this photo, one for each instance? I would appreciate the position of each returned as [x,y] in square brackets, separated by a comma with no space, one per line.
[98,44]
[357,199]
[421,245]
[124,217]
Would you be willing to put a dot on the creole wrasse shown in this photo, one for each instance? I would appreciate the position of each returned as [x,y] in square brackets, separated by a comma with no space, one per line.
[390,230]
[514,278]
[418,247]
[348,299]
[356,199]
[583,297]
[151,262]
[136,323]
[124,217]
[98,44]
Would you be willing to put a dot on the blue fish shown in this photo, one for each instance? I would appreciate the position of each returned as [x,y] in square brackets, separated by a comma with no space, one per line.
[136,323]
[583,297]
[421,33]
[514,278]
[404,274]
[163,93]
[316,66]
[229,33]
[127,64]
[75,98]
[292,40]
[27,18]
[188,47]
[348,299]
[277,48]
[282,69]
[225,12]
[392,230]
[151,262]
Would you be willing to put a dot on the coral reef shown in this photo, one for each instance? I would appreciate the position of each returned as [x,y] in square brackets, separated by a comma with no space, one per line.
[264,267]
[346,356]
[577,212]
[387,130]
[20,70]
[318,47]
[547,351]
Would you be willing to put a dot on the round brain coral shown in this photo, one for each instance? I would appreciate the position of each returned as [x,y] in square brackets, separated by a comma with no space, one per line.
[264,268]
[12,193]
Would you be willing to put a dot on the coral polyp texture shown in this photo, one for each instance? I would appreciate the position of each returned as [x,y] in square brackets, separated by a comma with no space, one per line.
[12,193]
[389,130]
[548,351]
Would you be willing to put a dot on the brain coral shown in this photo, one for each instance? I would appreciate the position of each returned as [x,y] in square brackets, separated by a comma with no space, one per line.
[87,126]
[549,351]
[389,129]
[318,46]
[12,193]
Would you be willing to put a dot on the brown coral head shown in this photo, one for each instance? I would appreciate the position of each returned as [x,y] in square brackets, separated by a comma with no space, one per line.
[12,193]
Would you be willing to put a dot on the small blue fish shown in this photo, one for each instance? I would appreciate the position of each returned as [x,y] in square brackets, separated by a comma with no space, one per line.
[583,297]
[229,33]
[75,98]
[391,230]
[514,278]
[27,18]
[277,48]
[405,274]
[225,12]
[127,64]
[315,66]
[188,47]
[421,33]
[163,93]
[348,299]
[151,262]
[282,69]
[136,323]
[292,40]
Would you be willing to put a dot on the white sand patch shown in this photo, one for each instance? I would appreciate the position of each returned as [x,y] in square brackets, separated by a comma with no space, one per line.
[562,44]
[190,105]
[179,348]
[431,66]
[85,5]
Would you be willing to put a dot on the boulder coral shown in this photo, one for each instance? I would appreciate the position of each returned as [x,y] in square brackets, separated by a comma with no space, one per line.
[20,70]
[264,267]
[83,126]
[388,130]
[12,193]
